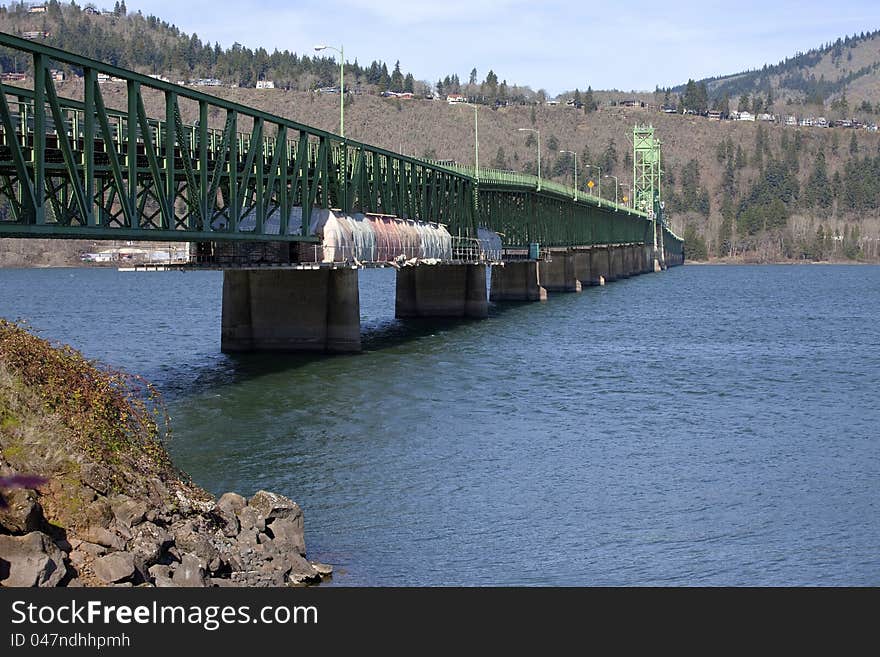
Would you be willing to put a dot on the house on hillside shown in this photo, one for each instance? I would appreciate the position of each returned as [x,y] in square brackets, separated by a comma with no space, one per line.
[744,116]
[455,98]
[766,117]
[37,9]
[714,115]
[265,84]
[791,120]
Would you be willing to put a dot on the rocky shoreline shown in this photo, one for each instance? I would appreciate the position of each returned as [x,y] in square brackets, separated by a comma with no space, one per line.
[89,495]
[232,541]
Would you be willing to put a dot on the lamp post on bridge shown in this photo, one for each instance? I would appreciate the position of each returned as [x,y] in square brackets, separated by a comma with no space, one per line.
[599,190]
[615,187]
[341,52]
[575,156]
[626,199]
[537,132]
[476,145]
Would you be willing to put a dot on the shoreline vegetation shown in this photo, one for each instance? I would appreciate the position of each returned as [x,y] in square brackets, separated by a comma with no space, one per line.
[91,497]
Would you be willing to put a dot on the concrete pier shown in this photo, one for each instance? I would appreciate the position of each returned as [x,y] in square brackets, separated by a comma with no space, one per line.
[558,274]
[582,267]
[615,264]
[517,281]
[291,310]
[441,291]
[600,265]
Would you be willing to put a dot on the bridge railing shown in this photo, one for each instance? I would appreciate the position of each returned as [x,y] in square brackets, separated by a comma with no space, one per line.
[209,169]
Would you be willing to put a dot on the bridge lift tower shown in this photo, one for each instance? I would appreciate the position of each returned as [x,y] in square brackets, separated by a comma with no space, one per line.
[646,182]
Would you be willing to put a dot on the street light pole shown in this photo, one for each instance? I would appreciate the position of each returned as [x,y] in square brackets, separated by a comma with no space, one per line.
[476,145]
[615,187]
[537,132]
[341,51]
[575,155]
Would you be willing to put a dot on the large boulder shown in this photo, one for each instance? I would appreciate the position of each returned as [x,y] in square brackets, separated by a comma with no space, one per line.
[128,512]
[23,513]
[30,560]
[273,506]
[288,535]
[148,542]
[190,572]
[115,567]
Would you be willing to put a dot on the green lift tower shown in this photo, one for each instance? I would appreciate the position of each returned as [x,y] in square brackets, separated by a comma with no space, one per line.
[646,183]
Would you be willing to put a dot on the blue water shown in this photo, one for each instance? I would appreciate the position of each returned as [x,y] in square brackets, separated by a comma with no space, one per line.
[703,426]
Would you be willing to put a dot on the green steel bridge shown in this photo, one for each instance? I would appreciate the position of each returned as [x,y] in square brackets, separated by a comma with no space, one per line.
[210,170]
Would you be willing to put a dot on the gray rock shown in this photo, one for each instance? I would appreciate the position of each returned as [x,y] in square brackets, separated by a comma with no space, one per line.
[299,571]
[190,572]
[78,558]
[164,583]
[160,570]
[105,537]
[251,519]
[128,512]
[273,506]
[187,538]
[323,569]
[24,513]
[30,560]
[288,535]
[149,542]
[231,502]
[92,548]
[115,567]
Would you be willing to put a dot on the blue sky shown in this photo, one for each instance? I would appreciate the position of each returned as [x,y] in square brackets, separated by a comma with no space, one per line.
[555,45]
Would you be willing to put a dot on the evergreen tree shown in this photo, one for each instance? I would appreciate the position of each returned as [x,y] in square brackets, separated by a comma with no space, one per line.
[397,78]
[589,102]
[853,145]
[818,192]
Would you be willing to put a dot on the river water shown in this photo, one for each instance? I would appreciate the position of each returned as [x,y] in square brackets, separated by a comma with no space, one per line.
[703,426]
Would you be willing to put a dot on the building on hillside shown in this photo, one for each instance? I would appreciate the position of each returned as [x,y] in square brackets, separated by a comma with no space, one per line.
[13,77]
[208,82]
[57,75]
[455,98]
[161,78]
[265,84]
[552,103]
[714,115]
[37,9]
[744,116]
[791,120]
[32,35]
[821,122]
[631,103]
[668,109]
[770,118]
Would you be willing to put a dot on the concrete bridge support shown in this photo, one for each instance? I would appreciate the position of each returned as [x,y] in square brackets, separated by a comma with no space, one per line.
[517,281]
[600,265]
[615,263]
[291,310]
[626,269]
[582,267]
[442,291]
[558,274]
